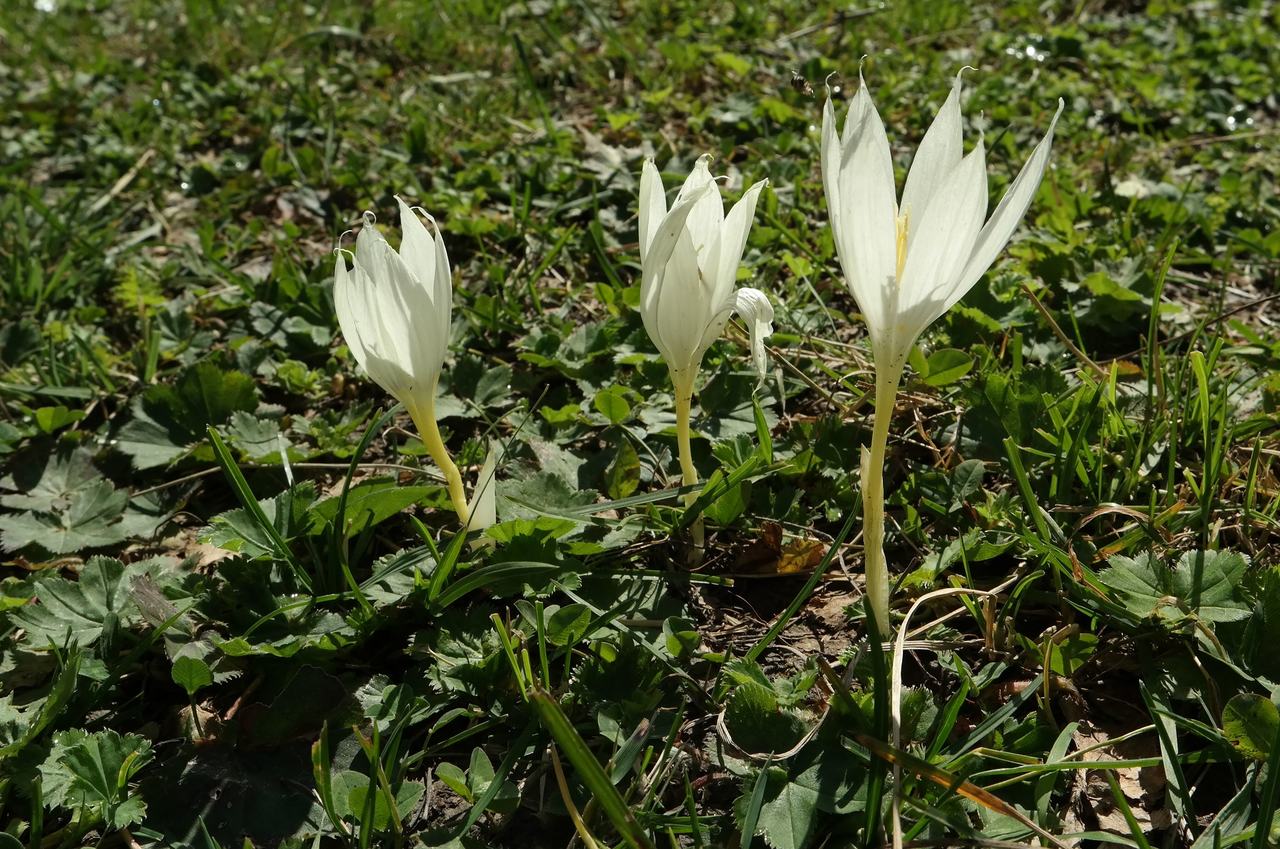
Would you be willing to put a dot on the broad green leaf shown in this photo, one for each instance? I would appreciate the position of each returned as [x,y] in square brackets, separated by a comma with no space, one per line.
[568,624]
[788,811]
[946,366]
[50,419]
[682,638]
[543,494]
[1250,721]
[368,503]
[355,787]
[966,480]
[455,779]
[288,512]
[611,402]
[190,670]
[623,475]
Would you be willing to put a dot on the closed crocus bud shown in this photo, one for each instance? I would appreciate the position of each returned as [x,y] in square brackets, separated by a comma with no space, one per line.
[906,264]
[689,256]
[395,309]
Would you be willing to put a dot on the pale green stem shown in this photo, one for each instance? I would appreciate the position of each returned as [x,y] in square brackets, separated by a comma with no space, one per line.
[425,420]
[873,498]
[684,403]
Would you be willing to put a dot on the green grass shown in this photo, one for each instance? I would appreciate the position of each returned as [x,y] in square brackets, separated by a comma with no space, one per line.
[234,605]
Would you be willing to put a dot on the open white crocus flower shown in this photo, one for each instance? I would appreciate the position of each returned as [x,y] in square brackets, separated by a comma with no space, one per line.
[907,263]
[395,310]
[689,256]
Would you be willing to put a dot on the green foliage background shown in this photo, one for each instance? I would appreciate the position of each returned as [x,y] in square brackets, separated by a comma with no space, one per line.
[273,634]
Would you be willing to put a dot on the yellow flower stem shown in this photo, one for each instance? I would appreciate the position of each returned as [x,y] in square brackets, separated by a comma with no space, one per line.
[424,419]
[873,498]
[684,403]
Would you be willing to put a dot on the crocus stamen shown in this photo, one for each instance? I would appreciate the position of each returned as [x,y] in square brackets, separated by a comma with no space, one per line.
[903,223]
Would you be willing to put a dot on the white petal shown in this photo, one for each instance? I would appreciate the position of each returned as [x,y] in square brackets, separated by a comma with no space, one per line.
[753,307]
[868,212]
[417,248]
[482,509]
[684,308]
[733,239]
[346,307]
[832,155]
[442,287]
[938,155]
[707,215]
[995,235]
[653,204]
[947,232]
[654,277]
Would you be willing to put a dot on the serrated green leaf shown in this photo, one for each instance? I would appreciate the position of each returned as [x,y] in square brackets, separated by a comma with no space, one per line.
[101,765]
[258,440]
[79,609]
[55,778]
[543,494]
[170,421]
[49,487]
[92,520]
[1204,583]
[757,723]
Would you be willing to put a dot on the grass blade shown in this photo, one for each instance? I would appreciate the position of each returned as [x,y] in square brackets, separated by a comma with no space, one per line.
[589,769]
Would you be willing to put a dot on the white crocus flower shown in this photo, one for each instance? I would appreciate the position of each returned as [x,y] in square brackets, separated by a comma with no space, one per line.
[395,310]
[906,264]
[689,256]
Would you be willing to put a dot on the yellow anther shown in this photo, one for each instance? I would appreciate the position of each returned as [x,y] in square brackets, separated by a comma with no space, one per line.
[903,224]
